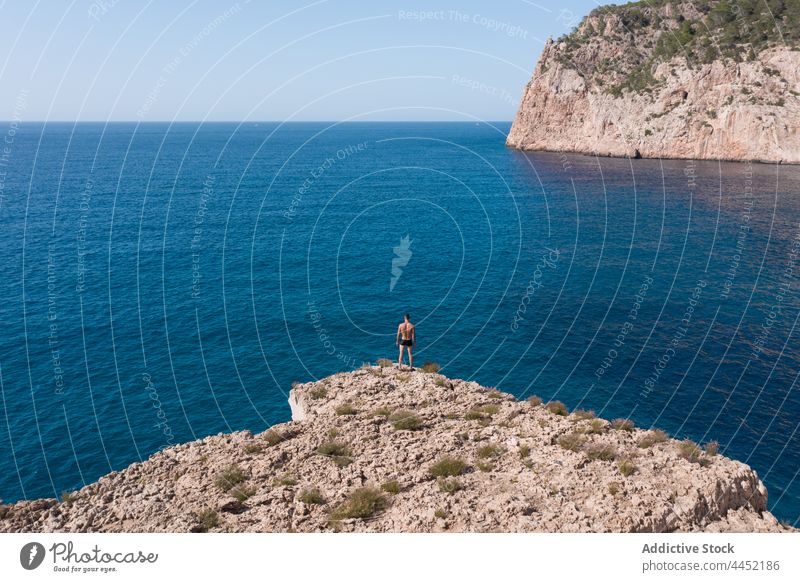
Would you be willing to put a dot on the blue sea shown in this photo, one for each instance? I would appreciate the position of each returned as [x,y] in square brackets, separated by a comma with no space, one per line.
[164,282]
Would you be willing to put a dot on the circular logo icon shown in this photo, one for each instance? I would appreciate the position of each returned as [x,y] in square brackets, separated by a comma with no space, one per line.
[31,555]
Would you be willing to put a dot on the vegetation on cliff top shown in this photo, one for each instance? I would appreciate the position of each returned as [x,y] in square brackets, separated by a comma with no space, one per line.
[701,31]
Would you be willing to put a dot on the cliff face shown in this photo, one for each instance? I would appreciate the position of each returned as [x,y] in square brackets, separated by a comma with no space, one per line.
[384,450]
[671,80]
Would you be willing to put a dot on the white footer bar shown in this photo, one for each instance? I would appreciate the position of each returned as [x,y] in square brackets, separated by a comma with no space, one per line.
[400,557]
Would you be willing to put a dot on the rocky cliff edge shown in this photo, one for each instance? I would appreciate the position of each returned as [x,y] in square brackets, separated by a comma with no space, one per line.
[387,450]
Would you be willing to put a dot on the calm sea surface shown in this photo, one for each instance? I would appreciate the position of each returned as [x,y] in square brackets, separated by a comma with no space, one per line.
[161,283]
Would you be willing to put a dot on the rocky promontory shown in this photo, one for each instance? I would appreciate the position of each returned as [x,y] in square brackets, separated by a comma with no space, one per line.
[710,79]
[387,450]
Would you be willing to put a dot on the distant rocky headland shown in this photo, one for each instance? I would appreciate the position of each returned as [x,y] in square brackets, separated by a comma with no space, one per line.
[388,450]
[695,79]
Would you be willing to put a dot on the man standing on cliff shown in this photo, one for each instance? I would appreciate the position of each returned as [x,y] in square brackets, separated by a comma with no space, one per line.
[406,338]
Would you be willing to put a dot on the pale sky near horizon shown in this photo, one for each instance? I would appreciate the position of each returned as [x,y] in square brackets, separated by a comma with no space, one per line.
[309,60]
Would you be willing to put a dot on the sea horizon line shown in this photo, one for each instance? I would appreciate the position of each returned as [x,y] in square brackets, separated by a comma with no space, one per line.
[155,121]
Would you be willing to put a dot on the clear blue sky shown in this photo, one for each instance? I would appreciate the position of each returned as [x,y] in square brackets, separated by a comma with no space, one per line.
[272,60]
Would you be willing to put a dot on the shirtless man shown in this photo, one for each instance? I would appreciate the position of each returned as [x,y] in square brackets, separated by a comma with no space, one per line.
[406,338]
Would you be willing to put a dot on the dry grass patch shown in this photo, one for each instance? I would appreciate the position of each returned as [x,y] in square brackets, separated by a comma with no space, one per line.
[622,424]
[583,414]
[597,426]
[449,486]
[342,461]
[601,452]
[338,452]
[286,481]
[318,392]
[653,437]
[534,401]
[346,409]
[711,449]
[490,451]
[484,412]
[362,503]
[431,368]
[572,442]
[272,437]
[206,519]
[524,451]
[311,496]
[448,466]
[253,448]
[557,407]
[230,477]
[405,420]
[385,363]
[690,451]
[242,493]
[626,467]
[392,487]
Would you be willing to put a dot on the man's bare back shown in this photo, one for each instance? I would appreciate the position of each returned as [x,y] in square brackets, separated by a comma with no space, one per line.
[406,338]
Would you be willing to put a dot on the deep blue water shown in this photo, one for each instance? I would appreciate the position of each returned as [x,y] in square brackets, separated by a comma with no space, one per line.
[165,282]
